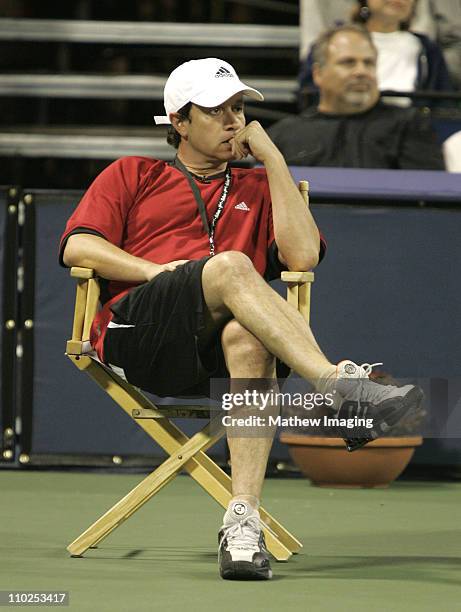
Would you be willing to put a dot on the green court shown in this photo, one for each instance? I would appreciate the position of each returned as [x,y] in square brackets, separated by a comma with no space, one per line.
[374,550]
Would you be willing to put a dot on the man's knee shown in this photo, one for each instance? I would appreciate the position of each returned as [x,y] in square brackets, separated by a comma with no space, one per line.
[244,352]
[229,267]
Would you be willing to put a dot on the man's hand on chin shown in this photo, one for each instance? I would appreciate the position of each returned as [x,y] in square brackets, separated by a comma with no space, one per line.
[254,140]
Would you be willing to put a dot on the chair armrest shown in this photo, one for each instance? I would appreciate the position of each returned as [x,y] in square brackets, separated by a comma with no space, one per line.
[82,272]
[297,277]
[86,305]
[299,291]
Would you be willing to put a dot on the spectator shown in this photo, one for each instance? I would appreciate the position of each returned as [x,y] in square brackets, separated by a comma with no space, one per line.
[351,127]
[441,21]
[407,60]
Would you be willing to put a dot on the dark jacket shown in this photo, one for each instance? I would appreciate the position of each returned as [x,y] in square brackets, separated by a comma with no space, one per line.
[432,72]
[383,137]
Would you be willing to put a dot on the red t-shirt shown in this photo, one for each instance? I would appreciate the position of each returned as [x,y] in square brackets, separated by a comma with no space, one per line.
[147,208]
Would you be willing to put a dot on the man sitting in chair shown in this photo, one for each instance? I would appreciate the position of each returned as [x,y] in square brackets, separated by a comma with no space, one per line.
[186,247]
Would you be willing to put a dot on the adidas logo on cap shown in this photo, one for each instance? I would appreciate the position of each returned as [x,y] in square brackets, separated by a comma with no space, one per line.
[224,72]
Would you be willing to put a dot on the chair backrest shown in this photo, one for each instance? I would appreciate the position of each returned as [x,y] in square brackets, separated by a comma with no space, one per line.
[299,283]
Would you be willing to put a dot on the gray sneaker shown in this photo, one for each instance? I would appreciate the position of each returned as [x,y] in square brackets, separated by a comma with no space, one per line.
[242,552]
[385,405]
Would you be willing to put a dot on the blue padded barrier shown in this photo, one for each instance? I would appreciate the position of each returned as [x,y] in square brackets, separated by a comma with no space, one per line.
[387,291]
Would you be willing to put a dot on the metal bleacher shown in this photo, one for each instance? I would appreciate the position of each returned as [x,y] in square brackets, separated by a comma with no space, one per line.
[48,140]
[261,50]
[83,31]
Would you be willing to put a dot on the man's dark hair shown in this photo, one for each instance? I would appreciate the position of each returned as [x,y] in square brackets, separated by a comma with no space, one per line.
[173,138]
[320,50]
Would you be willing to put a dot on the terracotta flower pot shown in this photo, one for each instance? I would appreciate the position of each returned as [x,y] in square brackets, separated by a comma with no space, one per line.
[327,463]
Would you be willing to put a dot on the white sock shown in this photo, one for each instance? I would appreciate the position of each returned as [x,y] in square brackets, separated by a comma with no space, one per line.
[326,382]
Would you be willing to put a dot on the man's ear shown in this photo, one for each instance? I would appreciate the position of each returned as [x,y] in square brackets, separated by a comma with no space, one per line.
[179,123]
[317,74]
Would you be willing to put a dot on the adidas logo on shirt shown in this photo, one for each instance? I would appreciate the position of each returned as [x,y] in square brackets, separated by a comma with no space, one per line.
[242,206]
[224,72]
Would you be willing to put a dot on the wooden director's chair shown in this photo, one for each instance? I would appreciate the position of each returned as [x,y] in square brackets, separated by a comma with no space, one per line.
[184,453]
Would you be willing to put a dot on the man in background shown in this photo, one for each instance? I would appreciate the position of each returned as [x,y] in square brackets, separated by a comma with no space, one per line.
[438,19]
[351,127]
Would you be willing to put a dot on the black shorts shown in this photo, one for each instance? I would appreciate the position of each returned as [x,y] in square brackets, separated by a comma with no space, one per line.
[157,335]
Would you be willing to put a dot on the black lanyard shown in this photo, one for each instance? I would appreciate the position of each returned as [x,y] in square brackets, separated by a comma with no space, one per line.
[209,228]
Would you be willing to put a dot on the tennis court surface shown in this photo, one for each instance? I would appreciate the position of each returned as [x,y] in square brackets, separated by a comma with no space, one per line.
[375,550]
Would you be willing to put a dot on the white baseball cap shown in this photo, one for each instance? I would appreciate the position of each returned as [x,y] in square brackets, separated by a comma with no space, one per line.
[206,82]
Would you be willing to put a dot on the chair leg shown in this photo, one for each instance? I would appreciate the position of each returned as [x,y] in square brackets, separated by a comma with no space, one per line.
[218,484]
[143,491]
[113,518]
[205,472]
[213,474]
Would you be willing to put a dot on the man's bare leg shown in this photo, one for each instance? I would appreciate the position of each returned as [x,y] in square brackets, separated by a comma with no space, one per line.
[232,285]
[242,549]
[246,357]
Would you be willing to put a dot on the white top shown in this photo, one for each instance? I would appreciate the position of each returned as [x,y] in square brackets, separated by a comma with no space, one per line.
[397,68]
[452,152]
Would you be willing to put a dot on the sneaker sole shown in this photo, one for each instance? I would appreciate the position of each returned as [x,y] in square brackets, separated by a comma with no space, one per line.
[410,402]
[243,570]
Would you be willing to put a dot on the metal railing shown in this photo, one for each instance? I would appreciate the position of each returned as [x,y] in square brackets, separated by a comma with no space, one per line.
[84,145]
[164,33]
[134,87]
